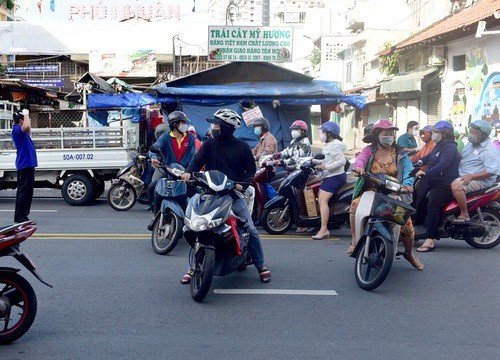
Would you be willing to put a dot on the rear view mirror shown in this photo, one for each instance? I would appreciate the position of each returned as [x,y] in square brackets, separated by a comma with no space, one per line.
[155,150]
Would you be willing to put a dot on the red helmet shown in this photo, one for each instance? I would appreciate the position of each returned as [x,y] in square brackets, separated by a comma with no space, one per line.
[299,125]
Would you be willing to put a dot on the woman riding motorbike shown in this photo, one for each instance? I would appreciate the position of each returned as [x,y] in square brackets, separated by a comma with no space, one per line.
[387,157]
[442,168]
[299,146]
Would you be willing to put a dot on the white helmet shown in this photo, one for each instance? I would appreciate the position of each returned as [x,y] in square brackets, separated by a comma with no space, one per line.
[226,115]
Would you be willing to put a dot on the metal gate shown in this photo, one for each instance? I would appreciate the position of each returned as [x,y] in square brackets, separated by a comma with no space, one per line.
[434,102]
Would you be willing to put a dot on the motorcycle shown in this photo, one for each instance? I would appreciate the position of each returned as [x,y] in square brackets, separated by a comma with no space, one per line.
[264,181]
[378,220]
[18,303]
[217,238]
[289,207]
[483,229]
[129,187]
[167,226]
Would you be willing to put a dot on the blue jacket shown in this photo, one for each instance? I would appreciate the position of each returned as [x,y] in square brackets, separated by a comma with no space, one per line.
[165,144]
[442,163]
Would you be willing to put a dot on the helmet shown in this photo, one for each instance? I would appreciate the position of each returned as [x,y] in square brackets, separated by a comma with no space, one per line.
[483,126]
[227,116]
[160,129]
[368,129]
[299,125]
[444,127]
[383,124]
[262,122]
[427,128]
[331,128]
[176,116]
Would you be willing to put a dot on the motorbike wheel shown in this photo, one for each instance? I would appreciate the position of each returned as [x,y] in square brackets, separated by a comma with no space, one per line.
[270,220]
[491,219]
[204,266]
[17,306]
[167,230]
[122,196]
[372,271]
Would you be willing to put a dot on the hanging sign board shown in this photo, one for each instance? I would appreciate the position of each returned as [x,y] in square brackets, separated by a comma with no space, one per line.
[247,43]
[32,69]
[45,83]
[251,115]
[141,63]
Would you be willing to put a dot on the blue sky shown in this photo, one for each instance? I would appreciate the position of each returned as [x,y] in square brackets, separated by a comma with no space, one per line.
[28,9]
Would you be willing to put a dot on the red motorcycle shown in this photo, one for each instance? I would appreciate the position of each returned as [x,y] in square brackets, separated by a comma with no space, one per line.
[483,229]
[17,298]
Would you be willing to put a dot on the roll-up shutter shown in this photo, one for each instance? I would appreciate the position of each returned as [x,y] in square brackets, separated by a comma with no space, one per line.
[434,102]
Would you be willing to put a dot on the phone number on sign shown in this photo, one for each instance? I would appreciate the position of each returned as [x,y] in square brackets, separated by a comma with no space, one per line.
[78,156]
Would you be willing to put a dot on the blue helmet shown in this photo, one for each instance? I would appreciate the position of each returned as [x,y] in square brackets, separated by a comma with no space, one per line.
[330,127]
[427,128]
[483,126]
[444,127]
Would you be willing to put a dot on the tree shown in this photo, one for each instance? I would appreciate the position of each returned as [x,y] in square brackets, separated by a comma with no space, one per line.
[389,62]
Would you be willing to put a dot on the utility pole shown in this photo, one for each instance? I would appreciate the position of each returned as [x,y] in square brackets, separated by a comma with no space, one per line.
[173,54]
[265,12]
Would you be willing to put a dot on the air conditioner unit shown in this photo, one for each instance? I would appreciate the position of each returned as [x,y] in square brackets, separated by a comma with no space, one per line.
[437,56]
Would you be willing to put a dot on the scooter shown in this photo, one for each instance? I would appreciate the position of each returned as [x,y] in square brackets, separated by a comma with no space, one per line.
[218,239]
[167,226]
[289,207]
[18,303]
[483,229]
[129,187]
[378,220]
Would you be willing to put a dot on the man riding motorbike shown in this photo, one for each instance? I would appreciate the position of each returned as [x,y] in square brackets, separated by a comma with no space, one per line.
[178,147]
[479,167]
[268,144]
[233,157]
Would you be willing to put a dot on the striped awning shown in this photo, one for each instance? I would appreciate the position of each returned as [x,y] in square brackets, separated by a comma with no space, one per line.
[407,82]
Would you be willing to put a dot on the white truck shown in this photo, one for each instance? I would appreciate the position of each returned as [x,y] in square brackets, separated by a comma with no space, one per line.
[75,159]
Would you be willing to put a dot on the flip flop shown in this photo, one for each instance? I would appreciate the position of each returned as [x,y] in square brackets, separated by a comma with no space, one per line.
[264,275]
[460,220]
[186,279]
[301,230]
[426,248]
[351,249]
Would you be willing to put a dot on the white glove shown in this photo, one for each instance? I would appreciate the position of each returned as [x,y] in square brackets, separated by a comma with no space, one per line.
[25,112]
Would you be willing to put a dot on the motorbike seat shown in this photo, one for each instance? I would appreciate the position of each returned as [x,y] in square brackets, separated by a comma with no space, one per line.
[351,181]
[482,191]
[9,228]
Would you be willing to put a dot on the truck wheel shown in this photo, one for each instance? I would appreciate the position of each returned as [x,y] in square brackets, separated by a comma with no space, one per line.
[78,189]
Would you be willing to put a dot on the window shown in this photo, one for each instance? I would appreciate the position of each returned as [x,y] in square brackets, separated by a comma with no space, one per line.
[459,63]
[348,73]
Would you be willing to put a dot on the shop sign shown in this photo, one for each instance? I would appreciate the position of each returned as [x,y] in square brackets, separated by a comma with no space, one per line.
[141,63]
[32,69]
[251,115]
[45,83]
[117,11]
[247,43]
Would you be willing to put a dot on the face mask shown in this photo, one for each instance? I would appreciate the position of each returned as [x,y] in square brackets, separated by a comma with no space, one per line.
[416,133]
[436,137]
[215,133]
[473,139]
[322,137]
[295,134]
[257,131]
[386,141]
[183,128]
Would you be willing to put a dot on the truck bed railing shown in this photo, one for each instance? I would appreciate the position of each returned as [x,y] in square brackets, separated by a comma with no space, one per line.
[74,138]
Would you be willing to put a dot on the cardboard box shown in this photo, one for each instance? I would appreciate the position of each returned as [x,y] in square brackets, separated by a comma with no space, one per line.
[311,203]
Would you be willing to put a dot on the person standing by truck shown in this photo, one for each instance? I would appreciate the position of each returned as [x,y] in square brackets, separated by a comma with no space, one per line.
[26,162]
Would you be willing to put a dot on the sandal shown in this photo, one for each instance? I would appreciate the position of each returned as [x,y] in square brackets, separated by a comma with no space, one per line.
[426,248]
[416,263]
[186,279]
[301,230]
[264,274]
[460,219]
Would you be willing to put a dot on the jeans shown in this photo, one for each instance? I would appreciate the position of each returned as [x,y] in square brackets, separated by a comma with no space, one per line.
[153,200]
[241,211]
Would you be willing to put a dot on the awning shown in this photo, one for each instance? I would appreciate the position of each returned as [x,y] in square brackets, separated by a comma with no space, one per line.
[407,82]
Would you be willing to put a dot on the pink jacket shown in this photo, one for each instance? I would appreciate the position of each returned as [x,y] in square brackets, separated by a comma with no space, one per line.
[362,159]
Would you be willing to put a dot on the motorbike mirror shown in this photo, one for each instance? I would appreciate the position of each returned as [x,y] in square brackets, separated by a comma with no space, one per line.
[155,149]
[319,156]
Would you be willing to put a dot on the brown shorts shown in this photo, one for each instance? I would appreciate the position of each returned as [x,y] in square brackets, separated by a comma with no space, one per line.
[472,186]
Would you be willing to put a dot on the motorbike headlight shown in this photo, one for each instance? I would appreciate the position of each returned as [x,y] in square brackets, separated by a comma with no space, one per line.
[199,224]
[392,185]
[215,223]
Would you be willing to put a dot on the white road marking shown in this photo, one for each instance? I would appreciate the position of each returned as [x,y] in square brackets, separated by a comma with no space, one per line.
[275,292]
[49,211]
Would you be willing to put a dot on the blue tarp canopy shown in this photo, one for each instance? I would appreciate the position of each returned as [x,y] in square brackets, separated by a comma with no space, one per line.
[314,92]
[113,101]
